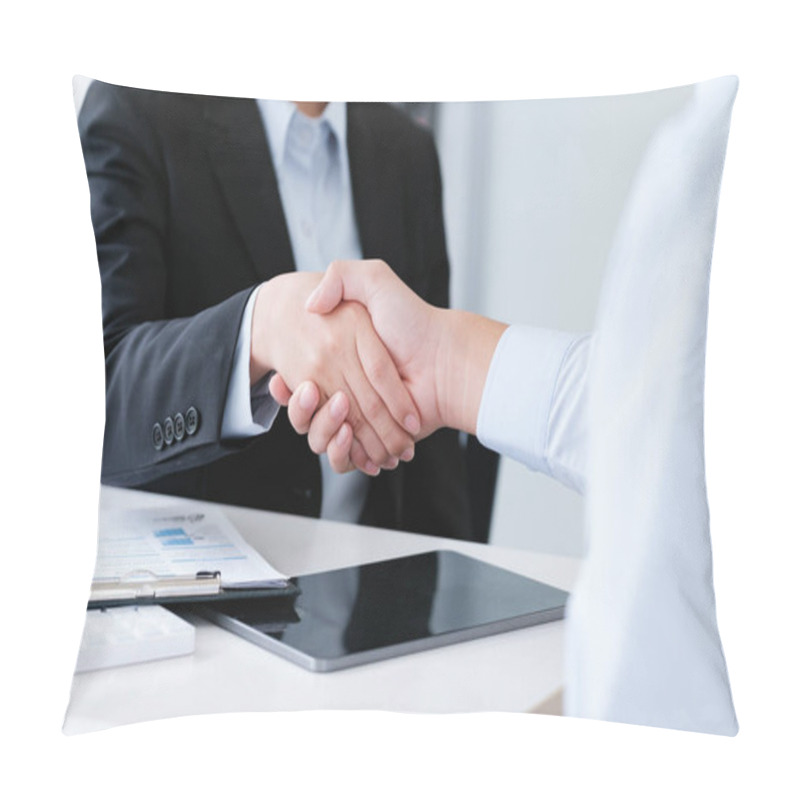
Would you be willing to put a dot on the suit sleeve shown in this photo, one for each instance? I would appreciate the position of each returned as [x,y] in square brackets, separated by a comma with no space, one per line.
[166,378]
[435,497]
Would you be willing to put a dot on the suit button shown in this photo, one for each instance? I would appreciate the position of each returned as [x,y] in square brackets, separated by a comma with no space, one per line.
[158,437]
[192,420]
[180,429]
[169,431]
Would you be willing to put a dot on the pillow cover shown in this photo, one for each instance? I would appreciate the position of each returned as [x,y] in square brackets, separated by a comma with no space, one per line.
[617,667]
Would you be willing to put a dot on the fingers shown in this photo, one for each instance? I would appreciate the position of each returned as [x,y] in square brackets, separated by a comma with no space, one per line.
[343,352]
[338,449]
[327,429]
[359,458]
[383,414]
[279,390]
[373,416]
[328,432]
[301,405]
[350,354]
[326,423]
[373,424]
[382,374]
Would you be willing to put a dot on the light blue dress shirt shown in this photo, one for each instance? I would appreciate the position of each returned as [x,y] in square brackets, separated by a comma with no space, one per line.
[621,414]
[536,413]
[313,174]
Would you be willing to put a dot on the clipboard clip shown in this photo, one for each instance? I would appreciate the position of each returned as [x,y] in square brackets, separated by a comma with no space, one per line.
[145,585]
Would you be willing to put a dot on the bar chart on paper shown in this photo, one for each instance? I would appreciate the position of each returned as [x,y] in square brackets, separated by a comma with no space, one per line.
[174,541]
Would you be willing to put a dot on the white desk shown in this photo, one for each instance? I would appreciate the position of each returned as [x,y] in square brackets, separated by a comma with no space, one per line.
[513,671]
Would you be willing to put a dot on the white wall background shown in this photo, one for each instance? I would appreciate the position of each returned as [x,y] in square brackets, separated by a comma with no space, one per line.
[533,191]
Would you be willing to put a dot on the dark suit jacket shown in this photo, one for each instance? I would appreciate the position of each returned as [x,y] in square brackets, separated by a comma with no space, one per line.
[188,220]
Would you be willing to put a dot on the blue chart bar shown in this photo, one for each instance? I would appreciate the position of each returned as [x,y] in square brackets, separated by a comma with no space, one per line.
[174,537]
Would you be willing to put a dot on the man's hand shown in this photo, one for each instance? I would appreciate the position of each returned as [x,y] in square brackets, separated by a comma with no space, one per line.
[442,356]
[347,361]
[410,328]
[328,431]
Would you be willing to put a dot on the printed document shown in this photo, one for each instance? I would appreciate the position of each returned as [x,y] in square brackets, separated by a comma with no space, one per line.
[178,541]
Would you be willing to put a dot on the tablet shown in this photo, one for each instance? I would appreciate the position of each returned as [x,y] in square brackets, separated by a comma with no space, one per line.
[356,615]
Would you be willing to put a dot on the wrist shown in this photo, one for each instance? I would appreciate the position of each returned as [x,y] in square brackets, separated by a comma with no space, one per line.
[261,358]
[467,344]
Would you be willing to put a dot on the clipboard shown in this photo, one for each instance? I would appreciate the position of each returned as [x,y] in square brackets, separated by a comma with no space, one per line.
[175,555]
[145,588]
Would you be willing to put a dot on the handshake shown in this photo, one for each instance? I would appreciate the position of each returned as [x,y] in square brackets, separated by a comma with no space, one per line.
[372,368]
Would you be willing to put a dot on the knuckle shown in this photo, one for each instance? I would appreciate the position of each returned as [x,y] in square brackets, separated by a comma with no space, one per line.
[372,445]
[397,442]
[328,343]
[378,453]
[394,440]
[378,370]
[358,424]
[373,407]
[316,358]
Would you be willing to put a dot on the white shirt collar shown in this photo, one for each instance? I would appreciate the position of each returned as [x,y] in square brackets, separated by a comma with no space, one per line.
[277,114]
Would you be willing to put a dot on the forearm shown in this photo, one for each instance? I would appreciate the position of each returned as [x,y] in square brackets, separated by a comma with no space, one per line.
[463,354]
[158,370]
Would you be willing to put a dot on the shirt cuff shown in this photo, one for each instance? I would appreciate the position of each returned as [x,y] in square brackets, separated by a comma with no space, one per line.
[533,403]
[249,411]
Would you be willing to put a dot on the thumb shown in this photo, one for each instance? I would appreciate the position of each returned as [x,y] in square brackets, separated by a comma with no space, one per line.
[328,294]
[348,280]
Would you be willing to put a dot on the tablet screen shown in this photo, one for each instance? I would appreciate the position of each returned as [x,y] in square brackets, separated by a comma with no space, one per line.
[355,615]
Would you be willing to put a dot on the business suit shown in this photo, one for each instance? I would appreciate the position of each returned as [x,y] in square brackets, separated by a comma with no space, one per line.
[188,220]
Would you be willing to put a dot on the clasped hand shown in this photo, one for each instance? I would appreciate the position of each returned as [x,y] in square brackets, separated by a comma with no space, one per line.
[354,376]
[407,330]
